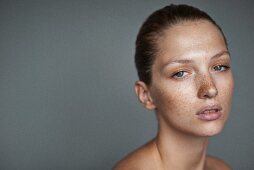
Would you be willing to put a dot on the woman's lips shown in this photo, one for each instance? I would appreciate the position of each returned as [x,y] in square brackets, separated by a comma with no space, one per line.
[210,113]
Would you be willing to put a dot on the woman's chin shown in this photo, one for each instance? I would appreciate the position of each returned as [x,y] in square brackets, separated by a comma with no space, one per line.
[211,130]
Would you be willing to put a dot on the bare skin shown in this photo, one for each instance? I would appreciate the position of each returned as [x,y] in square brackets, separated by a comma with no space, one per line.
[191,72]
[147,157]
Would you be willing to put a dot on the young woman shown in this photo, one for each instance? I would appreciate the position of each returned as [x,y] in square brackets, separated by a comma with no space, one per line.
[183,64]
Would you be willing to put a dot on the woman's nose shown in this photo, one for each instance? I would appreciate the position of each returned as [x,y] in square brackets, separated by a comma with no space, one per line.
[207,88]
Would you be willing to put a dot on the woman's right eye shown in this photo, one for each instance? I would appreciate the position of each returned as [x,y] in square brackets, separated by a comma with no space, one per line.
[179,74]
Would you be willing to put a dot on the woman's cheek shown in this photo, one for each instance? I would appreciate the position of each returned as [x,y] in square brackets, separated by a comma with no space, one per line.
[177,96]
[225,86]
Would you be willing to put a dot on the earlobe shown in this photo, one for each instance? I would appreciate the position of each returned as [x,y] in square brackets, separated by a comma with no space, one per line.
[143,95]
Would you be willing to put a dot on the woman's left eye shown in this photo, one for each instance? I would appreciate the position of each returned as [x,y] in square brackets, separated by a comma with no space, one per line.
[221,68]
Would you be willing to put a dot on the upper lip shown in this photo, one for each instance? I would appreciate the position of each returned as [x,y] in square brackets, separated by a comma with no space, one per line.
[210,107]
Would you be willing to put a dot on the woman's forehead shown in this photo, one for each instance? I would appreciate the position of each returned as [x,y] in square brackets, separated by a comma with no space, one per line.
[190,39]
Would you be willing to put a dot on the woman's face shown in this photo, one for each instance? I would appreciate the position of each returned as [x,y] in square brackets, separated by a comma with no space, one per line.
[192,83]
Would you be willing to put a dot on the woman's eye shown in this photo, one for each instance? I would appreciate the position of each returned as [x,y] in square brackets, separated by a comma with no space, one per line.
[221,68]
[179,74]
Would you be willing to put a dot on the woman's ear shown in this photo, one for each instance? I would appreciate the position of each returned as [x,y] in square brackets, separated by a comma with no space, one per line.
[143,95]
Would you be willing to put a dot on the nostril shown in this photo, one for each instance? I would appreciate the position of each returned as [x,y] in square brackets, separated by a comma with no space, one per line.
[207,91]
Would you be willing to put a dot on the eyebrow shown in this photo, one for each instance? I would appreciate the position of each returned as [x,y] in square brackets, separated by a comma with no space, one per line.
[184,61]
[220,54]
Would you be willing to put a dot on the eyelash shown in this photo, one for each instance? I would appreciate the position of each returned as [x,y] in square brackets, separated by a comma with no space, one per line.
[226,67]
[177,76]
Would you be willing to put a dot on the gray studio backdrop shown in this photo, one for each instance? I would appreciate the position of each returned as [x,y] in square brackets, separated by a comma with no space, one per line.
[67,76]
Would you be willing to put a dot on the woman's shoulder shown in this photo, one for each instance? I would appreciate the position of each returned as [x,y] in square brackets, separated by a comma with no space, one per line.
[216,163]
[141,158]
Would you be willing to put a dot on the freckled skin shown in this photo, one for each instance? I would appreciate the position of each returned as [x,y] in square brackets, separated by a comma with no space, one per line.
[182,139]
[177,100]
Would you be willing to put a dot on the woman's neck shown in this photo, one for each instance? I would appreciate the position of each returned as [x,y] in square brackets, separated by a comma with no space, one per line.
[180,151]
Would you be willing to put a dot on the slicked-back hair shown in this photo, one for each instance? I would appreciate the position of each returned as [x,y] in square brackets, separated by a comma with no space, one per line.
[153,28]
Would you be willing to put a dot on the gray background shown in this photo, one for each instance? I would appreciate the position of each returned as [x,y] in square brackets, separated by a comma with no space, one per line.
[67,76]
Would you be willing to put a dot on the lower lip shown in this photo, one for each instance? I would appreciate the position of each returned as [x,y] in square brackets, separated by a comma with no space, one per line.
[209,116]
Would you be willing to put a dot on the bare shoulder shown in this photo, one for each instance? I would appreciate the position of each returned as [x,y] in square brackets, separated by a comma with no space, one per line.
[214,163]
[140,159]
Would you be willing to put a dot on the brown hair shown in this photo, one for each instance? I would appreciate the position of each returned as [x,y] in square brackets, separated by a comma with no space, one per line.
[152,29]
